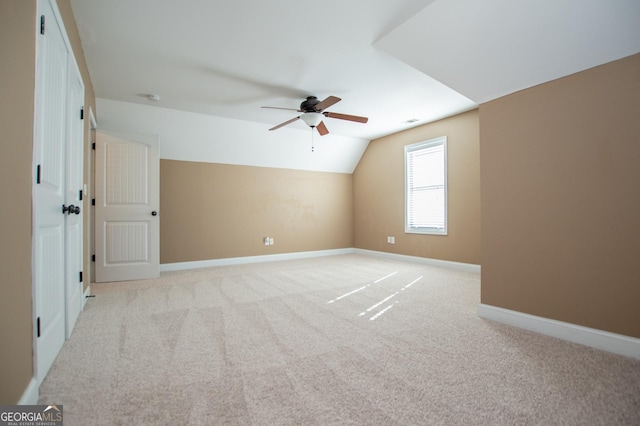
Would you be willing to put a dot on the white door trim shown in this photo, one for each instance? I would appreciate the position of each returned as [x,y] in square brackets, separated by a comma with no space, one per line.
[90,211]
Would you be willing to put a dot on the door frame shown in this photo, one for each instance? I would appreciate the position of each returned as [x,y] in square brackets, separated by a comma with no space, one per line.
[90,218]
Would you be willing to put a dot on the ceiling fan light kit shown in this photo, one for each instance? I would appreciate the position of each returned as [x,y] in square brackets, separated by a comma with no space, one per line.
[311,119]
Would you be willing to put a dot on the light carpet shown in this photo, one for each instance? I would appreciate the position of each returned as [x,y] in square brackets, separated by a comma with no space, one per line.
[335,340]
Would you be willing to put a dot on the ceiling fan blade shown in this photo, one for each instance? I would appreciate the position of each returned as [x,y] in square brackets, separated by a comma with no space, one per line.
[285,123]
[327,103]
[322,129]
[346,117]
[288,109]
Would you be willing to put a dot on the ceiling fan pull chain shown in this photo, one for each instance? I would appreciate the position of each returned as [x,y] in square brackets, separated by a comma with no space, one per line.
[312,147]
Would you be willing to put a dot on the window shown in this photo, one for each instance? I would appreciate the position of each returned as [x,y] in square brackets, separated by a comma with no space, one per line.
[426,187]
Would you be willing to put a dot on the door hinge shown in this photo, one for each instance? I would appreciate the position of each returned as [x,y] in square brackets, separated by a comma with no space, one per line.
[82,113]
[93,257]
[80,276]
[93,146]
[80,195]
[42,24]
[38,326]
[93,201]
[38,170]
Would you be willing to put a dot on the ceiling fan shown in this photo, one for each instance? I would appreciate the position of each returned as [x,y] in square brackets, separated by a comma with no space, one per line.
[313,112]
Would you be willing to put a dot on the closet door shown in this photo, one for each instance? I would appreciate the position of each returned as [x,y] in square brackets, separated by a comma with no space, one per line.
[73,196]
[49,192]
[57,216]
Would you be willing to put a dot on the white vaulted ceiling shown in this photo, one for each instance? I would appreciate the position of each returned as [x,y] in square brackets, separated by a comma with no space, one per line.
[391,61]
[490,48]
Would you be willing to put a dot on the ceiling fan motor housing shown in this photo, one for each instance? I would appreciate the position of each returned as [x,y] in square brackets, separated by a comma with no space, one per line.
[310,104]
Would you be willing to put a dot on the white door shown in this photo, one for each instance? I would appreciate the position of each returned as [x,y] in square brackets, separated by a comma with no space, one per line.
[49,192]
[73,196]
[127,201]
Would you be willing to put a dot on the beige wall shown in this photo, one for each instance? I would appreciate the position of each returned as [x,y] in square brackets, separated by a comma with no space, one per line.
[378,183]
[561,199]
[17,84]
[213,211]
[17,71]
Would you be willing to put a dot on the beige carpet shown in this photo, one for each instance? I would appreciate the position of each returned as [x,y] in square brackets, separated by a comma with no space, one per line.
[328,341]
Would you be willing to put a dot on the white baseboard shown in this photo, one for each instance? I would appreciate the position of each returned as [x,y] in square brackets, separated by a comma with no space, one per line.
[31,393]
[181,266]
[458,266]
[604,340]
[165,267]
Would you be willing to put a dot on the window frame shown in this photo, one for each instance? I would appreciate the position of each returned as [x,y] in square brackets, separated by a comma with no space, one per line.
[442,140]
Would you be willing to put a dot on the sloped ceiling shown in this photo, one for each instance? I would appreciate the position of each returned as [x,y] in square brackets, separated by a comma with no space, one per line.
[488,49]
[390,61]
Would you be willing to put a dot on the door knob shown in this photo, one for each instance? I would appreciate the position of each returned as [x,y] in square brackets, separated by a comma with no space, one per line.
[154,213]
[71,209]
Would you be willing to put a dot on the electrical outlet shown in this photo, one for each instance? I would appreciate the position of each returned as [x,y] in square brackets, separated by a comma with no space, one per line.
[270,241]
[391,240]
[266,241]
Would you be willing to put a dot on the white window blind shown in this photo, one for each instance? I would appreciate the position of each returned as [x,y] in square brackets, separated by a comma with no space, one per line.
[426,187]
